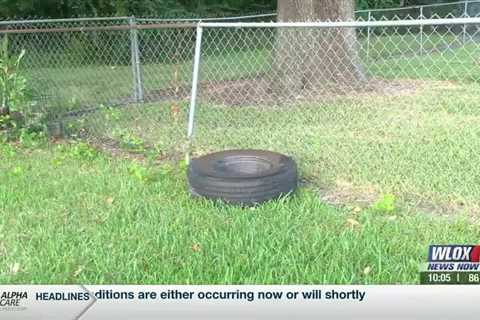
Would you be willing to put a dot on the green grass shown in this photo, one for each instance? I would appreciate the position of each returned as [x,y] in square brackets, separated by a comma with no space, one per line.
[70,216]
[393,46]
[419,142]
[422,143]
[460,64]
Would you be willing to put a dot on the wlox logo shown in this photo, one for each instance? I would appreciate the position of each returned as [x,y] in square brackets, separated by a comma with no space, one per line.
[454,253]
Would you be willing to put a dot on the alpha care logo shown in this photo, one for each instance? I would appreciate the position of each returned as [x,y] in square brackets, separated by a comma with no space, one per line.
[12,300]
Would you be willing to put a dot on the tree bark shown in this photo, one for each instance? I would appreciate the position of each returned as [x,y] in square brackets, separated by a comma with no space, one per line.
[311,57]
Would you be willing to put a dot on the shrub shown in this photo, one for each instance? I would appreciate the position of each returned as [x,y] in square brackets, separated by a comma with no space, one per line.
[12,82]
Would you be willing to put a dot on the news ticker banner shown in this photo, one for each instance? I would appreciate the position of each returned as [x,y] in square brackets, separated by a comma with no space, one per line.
[450,273]
[451,264]
[239,302]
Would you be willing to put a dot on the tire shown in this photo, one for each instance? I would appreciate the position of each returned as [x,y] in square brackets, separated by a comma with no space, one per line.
[242,177]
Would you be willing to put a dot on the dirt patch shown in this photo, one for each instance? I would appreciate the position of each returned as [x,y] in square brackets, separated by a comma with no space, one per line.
[168,94]
[261,90]
[344,193]
[115,149]
[447,209]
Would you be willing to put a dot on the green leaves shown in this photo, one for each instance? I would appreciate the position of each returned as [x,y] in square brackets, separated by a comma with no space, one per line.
[166,8]
[150,173]
[374,4]
[12,83]
[385,204]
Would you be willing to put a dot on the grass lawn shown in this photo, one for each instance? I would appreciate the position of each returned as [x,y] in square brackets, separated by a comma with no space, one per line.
[419,142]
[69,215]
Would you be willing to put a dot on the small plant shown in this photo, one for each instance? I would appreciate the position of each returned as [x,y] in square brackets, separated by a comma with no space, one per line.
[182,165]
[29,139]
[6,122]
[148,174]
[17,171]
[111,114]
[82,151]
[76,150]
[385,204]
[12,82]
[139,172]
[76,129]
[7,151]
[130,142]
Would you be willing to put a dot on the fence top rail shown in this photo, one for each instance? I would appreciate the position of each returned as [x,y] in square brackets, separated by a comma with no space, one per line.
[333,24]
[444,4]
[352,24]
[124,27]
[220,19]
[10,22]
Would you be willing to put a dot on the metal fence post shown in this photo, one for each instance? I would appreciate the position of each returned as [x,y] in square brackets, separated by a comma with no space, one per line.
[368,34]
[135,58]
[465,15]
[193,96]
[421,31]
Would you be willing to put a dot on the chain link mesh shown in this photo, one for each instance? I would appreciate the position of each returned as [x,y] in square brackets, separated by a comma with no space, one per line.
[364,110]
[457,9]
[120,82]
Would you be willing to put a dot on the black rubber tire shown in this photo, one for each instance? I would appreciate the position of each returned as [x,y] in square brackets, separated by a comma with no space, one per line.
[243,177]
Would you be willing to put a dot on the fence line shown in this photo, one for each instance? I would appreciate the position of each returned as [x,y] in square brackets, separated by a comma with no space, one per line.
[100,28]
[421,23]
[297,90]
[352,24]
[345,98]
[31,21]
[433,5]
[348,24]
[245,17]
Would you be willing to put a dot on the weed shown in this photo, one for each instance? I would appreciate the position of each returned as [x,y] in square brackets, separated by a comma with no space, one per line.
[82,151]
[30,140]
[139,172]
[130,142]
[386,204]
[12,83]
[17,171]
[7,151]
[110,114]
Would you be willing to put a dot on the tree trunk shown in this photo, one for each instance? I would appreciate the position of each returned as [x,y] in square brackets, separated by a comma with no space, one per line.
[311,58]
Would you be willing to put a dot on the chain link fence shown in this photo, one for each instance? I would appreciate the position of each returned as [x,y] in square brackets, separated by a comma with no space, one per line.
[456,9]
[361,117]
[115,79]
[365,107]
